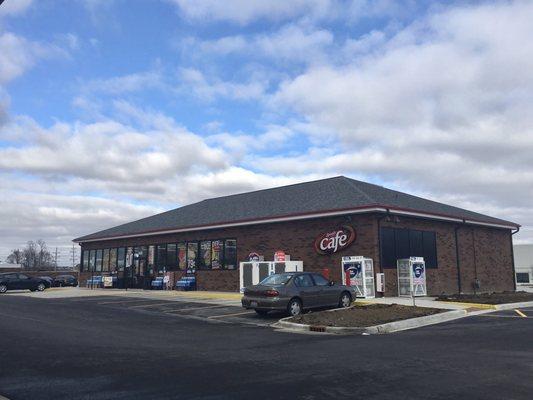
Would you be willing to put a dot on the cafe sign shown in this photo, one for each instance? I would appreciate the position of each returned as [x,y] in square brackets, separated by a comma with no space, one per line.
[333,241]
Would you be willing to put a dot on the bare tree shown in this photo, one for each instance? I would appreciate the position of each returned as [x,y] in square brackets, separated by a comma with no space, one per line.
[16,257]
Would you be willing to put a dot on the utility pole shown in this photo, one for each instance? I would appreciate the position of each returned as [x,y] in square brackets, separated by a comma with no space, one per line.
[56,260]
[73,253]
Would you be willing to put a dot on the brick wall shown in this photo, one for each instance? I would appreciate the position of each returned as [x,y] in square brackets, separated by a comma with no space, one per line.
[492,253]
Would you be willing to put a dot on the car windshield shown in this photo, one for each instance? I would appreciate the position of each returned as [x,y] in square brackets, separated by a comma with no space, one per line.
[276,279]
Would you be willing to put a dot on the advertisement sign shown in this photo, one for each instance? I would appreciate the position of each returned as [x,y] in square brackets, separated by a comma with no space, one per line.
[108,281]
[254,257]
[279,255]
[355,271]
[419,272]
[336,240]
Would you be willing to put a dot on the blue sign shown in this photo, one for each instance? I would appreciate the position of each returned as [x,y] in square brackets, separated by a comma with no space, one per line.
[418,270]
[354,269]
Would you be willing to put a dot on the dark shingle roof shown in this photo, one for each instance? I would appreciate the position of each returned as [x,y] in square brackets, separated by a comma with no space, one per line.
[338,193]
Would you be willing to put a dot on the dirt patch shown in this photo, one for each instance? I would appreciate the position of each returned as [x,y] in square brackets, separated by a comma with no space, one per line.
[364,315]
[489,298]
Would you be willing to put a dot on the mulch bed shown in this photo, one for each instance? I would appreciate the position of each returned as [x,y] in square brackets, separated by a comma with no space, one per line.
[364,315]
[489,298]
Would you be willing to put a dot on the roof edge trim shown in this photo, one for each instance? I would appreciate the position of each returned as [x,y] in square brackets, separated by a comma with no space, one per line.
[360,210]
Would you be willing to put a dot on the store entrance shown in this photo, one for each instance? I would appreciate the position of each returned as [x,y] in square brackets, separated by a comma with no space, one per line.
[138,274]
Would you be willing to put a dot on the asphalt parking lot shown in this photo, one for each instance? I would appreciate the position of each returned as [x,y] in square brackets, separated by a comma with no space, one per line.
[117,348]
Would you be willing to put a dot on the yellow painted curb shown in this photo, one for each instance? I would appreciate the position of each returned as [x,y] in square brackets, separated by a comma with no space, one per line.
[472,305]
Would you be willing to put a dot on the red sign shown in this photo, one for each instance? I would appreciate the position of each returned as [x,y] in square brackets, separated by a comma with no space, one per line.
[279,255]
[331,242]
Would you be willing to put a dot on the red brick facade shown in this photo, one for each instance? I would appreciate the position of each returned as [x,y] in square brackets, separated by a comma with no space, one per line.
[485,250]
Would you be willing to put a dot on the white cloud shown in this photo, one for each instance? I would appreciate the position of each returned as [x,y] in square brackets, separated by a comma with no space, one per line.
[245,11]
[209,89]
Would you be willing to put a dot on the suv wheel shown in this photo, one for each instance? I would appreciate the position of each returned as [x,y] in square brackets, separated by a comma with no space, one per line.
[3,288]
[346,300]
[294,307]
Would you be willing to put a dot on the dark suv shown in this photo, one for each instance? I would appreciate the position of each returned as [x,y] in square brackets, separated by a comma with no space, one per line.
[16,281]
[65,280]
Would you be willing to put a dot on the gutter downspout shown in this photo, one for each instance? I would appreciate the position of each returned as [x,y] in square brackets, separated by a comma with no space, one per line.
[458,263]
[512,256]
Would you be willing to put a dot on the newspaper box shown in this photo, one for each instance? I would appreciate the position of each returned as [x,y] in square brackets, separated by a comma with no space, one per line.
[358,271]
[412,277]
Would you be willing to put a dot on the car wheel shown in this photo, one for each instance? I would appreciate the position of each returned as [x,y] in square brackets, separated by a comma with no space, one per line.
[3,288]
[261,312]
[41,287]
[345,300]
[294,307]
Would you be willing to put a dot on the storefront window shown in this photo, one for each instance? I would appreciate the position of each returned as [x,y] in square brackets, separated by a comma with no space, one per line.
[92,257]
[161,256]
[192,254]
[217,248]
[85,264]
[172,260]
[230,254]
[151,259]
[113,260]
[121,258]
[106,260]
[204,261]
[129,257]
[99,254]
[182,256]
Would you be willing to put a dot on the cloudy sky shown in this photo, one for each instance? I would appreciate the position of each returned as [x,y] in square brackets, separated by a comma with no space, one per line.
[112,110]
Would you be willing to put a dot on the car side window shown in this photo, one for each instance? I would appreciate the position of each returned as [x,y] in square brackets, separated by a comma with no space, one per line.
[303,281]
[320,280]
[22,276]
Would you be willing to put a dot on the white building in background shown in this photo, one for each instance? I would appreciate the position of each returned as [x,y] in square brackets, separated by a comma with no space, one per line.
[9,266]
[523,259]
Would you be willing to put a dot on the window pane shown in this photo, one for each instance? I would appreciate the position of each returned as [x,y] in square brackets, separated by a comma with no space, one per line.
[205,254]
[430,249]
[320,280]
[303,281]
[92,256]
[113,260]
[172,263]
[99,254]
[192,254]
[522,277]
[230,254]
[217,247]
[106,260]
[121,258]
[416,243]
[402,243]
[182,256]
[85,264]
[388,248]
[161,256]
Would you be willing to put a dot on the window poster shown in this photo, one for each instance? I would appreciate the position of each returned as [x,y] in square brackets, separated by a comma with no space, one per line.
[205,249]
[216,254]
[192,254]
[182,255]
[151,255]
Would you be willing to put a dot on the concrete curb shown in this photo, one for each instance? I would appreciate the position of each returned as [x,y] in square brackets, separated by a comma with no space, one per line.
[390,327]
[494,307]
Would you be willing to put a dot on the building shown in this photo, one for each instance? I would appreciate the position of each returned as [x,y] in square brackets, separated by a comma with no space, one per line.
[211,237]
[523,258]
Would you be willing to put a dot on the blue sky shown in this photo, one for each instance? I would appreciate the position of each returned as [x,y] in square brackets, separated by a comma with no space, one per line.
[114,110]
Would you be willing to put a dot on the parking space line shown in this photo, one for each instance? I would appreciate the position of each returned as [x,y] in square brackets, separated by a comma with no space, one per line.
[150,305]
[498,316]
[195,308]
[124,301]
[230,315]
[521,313]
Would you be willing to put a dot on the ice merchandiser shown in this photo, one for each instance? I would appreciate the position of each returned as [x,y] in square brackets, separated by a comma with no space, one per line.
[412,277]
[253,272]
[358,271]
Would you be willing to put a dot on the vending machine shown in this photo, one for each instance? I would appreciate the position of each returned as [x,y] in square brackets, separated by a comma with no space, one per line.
[358,271]
[412,277]
[253,272]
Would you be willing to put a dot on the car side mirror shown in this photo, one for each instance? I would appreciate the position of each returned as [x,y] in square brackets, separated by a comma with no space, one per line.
[331,283]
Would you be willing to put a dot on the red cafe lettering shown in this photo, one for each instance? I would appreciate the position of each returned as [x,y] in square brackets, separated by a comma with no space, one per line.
[331,242]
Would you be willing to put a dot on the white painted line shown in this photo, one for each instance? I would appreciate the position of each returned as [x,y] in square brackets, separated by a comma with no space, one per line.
[230,315]
[521,313]
[195,308]
[124,301]
[150,305]
[499,316]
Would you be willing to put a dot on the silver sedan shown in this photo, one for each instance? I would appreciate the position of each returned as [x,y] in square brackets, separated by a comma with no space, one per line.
[295,292]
